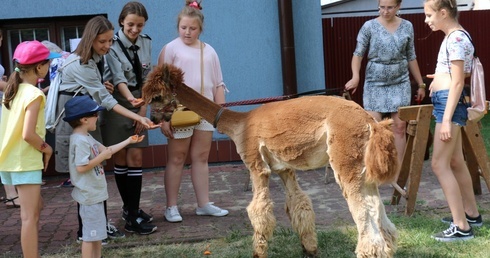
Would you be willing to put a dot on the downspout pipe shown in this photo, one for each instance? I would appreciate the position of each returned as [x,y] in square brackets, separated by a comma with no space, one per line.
[288,59]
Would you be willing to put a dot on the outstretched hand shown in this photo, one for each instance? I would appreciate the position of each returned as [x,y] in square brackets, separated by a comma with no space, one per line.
[148,123]
[138,102]
[136,138]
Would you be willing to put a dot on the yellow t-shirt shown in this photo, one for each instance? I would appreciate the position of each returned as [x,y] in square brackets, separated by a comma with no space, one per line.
[15,153]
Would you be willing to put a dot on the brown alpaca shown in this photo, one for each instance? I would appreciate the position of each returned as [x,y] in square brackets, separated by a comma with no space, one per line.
[299,134]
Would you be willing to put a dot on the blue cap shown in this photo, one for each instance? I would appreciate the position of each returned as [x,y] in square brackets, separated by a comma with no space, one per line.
[80,106]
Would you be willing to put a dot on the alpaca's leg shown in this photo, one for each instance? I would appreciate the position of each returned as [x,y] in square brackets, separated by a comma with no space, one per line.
[300,212]
[260,213]
[377,235]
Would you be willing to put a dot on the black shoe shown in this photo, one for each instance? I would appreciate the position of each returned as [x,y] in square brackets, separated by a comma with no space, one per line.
[145,216]
[140,227]
[141,214]
[67,183]
[474,222]
[113,232]
[454,233]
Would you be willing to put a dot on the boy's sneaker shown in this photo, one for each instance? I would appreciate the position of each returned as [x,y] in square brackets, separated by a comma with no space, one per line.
[454,233]
[172,214]
[211,210]
[66,183]
[80,240]
[145,216]
[112,231]
[474,222]
[140,227]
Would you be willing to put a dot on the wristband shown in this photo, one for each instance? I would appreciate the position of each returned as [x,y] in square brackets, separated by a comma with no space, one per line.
[422,86]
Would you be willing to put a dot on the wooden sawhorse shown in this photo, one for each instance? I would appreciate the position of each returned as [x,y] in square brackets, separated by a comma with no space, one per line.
[418,119]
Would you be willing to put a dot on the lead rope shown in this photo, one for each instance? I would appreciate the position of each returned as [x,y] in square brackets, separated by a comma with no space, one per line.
[345,94]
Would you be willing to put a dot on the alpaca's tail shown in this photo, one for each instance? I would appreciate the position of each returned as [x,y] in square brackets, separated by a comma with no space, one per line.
[380,155]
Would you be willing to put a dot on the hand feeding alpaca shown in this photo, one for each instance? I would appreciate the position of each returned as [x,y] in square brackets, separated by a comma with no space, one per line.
[299,134]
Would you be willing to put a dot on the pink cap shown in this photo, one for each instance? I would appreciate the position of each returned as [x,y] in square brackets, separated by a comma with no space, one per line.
[31,52]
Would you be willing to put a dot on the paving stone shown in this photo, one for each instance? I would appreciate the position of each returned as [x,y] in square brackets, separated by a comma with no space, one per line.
[58,223]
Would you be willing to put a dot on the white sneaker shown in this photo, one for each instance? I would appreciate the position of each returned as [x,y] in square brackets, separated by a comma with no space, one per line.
[211,210]
[172,214]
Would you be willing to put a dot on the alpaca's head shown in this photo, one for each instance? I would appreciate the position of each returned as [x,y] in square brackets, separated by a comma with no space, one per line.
[159,89]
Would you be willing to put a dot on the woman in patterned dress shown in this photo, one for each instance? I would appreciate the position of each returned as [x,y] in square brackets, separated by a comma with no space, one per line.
[388,41]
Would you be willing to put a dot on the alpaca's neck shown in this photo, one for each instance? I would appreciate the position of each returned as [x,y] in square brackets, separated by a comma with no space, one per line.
[228,121]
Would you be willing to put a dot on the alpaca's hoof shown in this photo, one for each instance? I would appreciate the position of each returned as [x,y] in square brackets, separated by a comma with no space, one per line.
[256,255]
[309,254]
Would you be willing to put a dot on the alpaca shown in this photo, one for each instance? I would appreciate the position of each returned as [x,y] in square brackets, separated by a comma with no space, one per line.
[298,134]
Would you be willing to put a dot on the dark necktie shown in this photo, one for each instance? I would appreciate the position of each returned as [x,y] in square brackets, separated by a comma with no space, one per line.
[137,66]
[100,67]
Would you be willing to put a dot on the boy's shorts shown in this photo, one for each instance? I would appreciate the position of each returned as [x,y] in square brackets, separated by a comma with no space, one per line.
[22,178]
[94,222]
[439,101]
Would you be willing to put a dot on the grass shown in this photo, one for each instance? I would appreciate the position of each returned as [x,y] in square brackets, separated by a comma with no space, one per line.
[339,240]
[485,131]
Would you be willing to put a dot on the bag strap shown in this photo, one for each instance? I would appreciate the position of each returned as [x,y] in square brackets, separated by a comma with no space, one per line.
[202,68]
[66,64]
[467,35]
[58,118]
[462,98]
[447,51]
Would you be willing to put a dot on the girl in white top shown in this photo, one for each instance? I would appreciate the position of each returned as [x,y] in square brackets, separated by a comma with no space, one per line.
[448,163]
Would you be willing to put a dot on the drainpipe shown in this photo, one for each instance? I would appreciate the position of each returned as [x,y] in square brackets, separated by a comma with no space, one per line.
[288,60]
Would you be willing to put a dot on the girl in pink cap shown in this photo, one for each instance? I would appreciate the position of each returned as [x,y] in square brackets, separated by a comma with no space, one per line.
[23,152]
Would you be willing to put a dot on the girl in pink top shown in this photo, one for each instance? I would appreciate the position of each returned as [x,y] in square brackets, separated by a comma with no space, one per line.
[185,53]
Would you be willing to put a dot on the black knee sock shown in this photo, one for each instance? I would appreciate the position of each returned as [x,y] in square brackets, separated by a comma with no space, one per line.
[80,225]
[133,186]
[121,175]
[105,210]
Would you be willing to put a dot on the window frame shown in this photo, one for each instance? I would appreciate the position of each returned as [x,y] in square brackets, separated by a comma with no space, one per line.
[55,25]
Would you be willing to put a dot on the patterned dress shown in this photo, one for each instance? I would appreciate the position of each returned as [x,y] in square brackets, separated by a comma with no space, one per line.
[387,83]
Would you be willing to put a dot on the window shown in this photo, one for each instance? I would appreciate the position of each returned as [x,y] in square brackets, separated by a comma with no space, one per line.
[58,30]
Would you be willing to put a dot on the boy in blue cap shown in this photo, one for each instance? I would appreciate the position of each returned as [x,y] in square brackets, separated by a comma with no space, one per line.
[86,171]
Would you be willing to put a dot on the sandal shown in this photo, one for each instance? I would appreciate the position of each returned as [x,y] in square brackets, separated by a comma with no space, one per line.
[12,200]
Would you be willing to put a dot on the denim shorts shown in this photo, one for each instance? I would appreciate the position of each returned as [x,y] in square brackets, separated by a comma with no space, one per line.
[439,100]
[22,178]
